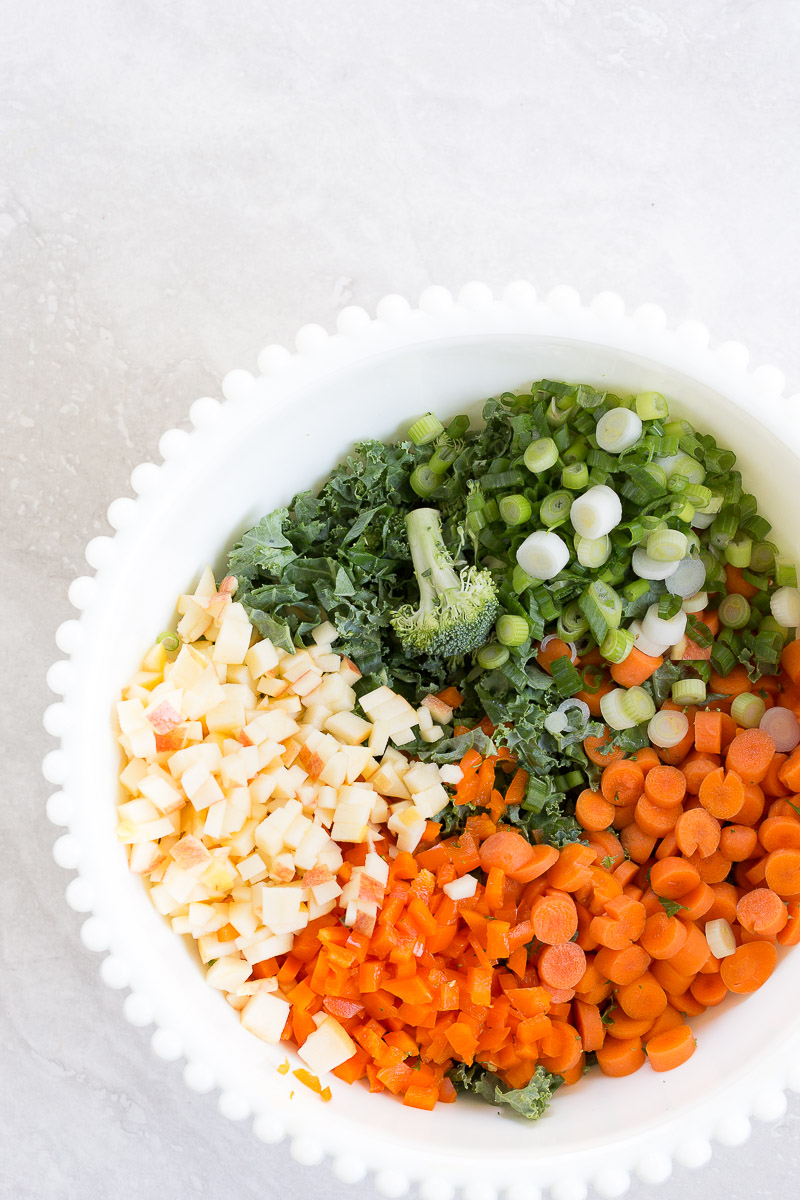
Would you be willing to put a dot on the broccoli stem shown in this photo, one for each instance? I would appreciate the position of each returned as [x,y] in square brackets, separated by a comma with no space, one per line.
[433,565]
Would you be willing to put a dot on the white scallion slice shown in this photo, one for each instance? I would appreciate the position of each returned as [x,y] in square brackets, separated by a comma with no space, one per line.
[555,722]
[645,644]
[689,577]
[592,552]
[647,568]
[573,703]
[597,511]
[638,705]
[667,545]
[543,554]
[782,726]
[668,728]
[696,603]
[702,520]
[657,629]
[612,711]
[689,691]
[784,605]
[618,430]
[747,710]
[720,937]
[688,468]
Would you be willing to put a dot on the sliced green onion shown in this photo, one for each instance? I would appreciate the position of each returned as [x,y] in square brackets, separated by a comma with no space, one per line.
[697,494]
[687,467]
[761,582]
[521,580]
[443,458]
[571,622]
[747,710]
[602,608]
[426,429]
[576,451]
[515,509]
[540,455]
[544,602]
[667,728]
[696,603]
[651,406]
[616,645]
[492,655]
[689,691]
[723,527]
[612,711]
[512,630]
[667,545]
[555,508]
[664,632]
[423,481]
[669,606]
[575,476]
[785,607]
[567,678]
[770,625]
[170,641]
[638,705]
[618,430]
[723,660]
[762,557]
[734,611]
[592,552]
[713,506]
[740,552]
[698,631]
[785,572]
[571,779]
[457,427]
[635,590]
[647,568]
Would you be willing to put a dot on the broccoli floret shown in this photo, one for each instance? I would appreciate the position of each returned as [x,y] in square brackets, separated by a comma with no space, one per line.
[456,611]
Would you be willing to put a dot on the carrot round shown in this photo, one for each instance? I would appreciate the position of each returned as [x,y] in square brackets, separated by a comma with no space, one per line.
[646,758]
[748,967]
[589,1024]
[762,913]
[669,1019]
[708,732]
[750,754]
[561,966]
[593,811]
[782,871]
[541,859]
[599,751]
[635,669]
[571,872]
[555,648]
[779,833]
[709,990]
[669,1050]
[637,844]
[617,1057]
[697,832]
[714,868]
[663,936]
[725,900]
[620,1026]
[734,683]
[697,902]
[695,768]
[673,877]
[738,842]
[653,819]
[643,999]
[607,845]
[555,919]
[665,786]
[622,966]
[623,817]
[675,983]
[722,794]
[753,806]
[771,783]
[790,934]
[737,585]
[622,783]
[694,952]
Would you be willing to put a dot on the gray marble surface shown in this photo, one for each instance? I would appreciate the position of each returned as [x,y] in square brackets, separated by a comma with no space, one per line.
[182,182]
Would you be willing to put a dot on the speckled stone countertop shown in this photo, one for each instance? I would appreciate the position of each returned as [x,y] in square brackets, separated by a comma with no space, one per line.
[181,183]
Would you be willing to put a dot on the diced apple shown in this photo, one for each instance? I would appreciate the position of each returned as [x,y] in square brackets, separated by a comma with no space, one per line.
[145,857]
[226,717]
[274,725]
[295,665]
[334,771]
[206,754]
[310,846]
[228,974]
[191,854]
[261,658]
[252,869]
[377,867]
[401,737]
[325,634]
[372,700]
[239,768]
[159,788]
[424,719]
[349,672]
[133,773]
[327,1047]
[348,728]
[195,621]
[201,787]
[281,906]
[431,801]
[215,820]
[265,1015]
[440,711]
[296,831]
[420,776]
[451,773]
[379,737]
[357,758]
[388,783]
[242,916]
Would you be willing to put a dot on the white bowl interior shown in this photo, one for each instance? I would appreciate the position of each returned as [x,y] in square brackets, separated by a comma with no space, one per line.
[273,449]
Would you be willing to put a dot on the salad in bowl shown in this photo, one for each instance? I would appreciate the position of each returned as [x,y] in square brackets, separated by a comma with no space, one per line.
[465,779]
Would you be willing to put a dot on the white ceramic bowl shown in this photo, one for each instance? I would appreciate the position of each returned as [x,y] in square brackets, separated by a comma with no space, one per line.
[274,435]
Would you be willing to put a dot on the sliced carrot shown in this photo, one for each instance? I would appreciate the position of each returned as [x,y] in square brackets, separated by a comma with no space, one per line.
[622,966]
[665,786]
[738,842]
[782,871]
[646,758]
[655,820]
[709,990]
[561,966]
[599,751]
[622,783]
[771,784]
[722,794]
[571,872]
[637,844]
[708,732]
[737,585]
[635,669]
[789,773]
[695,768]
[750,754]
[593,811]
[555,649]
[779,833]
[555,919]
[697,831]
[663,936]
[694,952]
[589,1024]
[644,999]
[725,900]
[790,934]
[675,983]
[697,902]
[753,806]
[790,660]
[618,1057]
[749,967]
[762,913]
[669,1050]
[734,683]
[673,878]
[507,850]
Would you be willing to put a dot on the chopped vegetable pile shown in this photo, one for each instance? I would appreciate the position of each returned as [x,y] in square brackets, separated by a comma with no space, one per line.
[491,770]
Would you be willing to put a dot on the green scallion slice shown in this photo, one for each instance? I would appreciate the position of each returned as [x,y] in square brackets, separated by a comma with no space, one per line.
[515,509]
[667,545]
[575,476]
[592,552]
[540,455]
[669,606]
[521,580]
[170,641]
[512,630]
[571,622]
[426,429]
[723,660]
[740,552]
[785,572]
[616,645]
[747,710]
[423,481]
[554,509]
[763,557]
[689,691]
[651,406]
[734,611]
[638,705]
[443,458]
[566,677]
[492,655]
[602,608]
